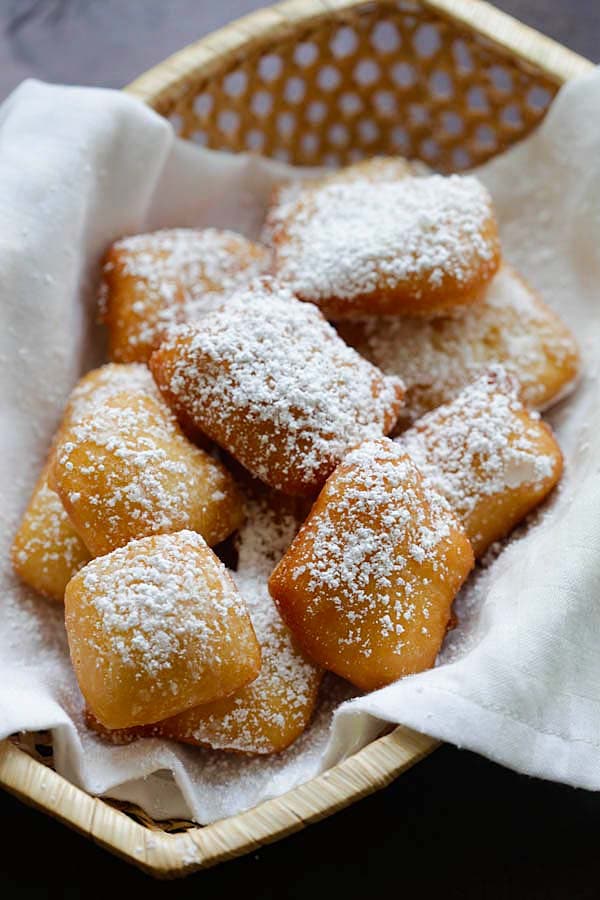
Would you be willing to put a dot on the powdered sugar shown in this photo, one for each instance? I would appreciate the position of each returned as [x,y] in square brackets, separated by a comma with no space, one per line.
[272,521]
[479,445]
[99,385]
[367,171]
[268,714]
[269,379]
[125,470]
[437,358]
[349,239]
[153,598]
[277,705]
[179,275]
[48,543]
[372,534]
[52,544]
[535,607]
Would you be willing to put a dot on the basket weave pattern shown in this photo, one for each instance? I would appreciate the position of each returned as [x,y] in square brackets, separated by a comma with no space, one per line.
[452,82]
[377,79]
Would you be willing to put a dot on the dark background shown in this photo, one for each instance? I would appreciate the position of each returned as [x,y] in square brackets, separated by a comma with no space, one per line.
[455,826]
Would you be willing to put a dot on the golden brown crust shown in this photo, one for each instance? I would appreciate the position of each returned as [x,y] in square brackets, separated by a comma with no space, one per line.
[512,326]
[123,470]
[269,714]
[270,381]
[129,307]
[413,246]
[47,551]
[260,719]
[155,628]
[151,282]
[368,583]
[488,456]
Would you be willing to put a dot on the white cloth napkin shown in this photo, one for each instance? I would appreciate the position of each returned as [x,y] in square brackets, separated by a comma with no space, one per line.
[519,681]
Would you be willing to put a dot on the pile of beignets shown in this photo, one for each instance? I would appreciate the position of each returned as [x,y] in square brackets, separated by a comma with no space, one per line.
[347,413]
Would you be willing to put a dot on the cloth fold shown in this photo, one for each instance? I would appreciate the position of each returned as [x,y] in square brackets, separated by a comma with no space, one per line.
[519,680]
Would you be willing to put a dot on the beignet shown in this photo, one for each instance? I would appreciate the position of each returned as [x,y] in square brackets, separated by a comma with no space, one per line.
[47,551]
[269,380]
[437,359]
[268,714]
[414,246]
[155,628]
[488,456]
[368,583]
[154,281]
[123,469]
[98,385]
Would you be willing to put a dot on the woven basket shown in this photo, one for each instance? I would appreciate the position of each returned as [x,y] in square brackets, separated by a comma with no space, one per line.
[452,82]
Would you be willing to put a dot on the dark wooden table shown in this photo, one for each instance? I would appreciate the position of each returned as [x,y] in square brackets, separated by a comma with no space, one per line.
[455,826]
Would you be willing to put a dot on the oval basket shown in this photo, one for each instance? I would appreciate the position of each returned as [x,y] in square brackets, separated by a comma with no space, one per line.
[452,82]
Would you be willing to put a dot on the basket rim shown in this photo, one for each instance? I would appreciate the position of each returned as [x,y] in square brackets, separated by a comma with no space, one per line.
[173,855]
[168,856]
[163,82]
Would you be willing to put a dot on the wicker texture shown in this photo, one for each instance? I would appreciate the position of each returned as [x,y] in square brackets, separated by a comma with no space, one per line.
[452,82]
[383,81]
[372,79]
